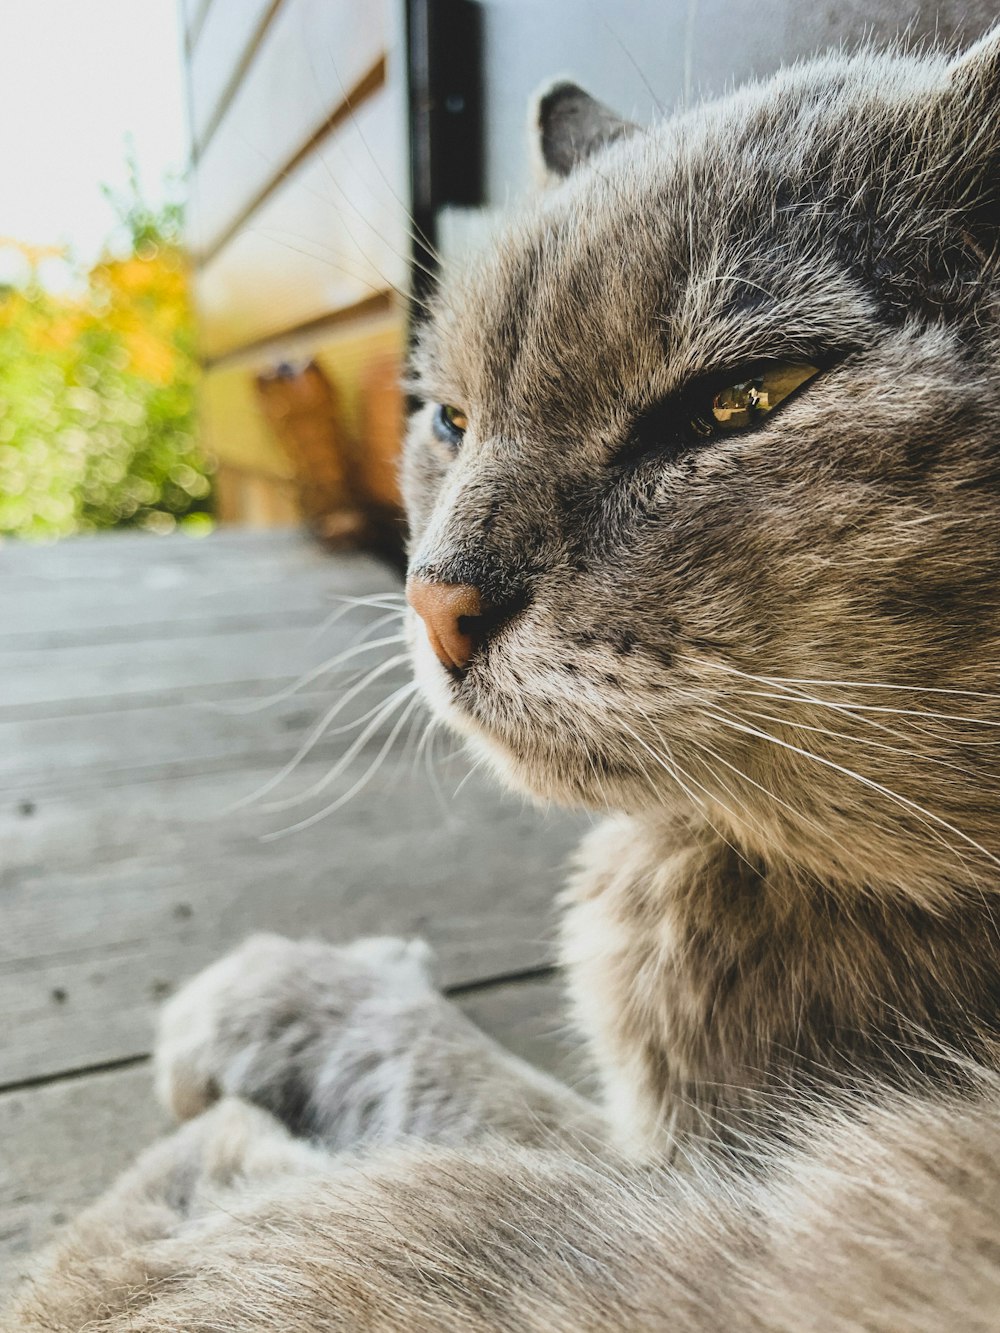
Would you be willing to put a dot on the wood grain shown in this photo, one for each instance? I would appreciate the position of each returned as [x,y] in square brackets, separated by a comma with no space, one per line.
[129,860]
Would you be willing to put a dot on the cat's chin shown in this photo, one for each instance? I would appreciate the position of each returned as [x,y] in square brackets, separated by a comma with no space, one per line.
[575,777]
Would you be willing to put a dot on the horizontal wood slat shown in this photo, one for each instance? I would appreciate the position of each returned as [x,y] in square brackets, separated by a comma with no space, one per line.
[226,46]
[313,60]
[334,234]
[151,588]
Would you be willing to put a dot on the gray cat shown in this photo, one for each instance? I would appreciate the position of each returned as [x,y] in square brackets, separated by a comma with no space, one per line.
[704,501]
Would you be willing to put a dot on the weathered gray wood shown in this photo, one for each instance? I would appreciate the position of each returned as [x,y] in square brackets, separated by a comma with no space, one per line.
[109,897]
[125,866]
[77,675]
[66,1141]
[60,619]
[87,590]
[158,738]
[83,558]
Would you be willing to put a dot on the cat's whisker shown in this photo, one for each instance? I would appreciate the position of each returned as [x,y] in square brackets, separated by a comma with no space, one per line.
[301,682]
[385,711]
[787,694]
[347,727]
[406,759]
[390,617]
[319,731]
[845,684]
[425,752]
[714,755]
[348,604]
[597,780]
[800,818]
[359,786]
[671,767]
[922,813]
[853,707]
[476,766]
[857,740]
[859,712]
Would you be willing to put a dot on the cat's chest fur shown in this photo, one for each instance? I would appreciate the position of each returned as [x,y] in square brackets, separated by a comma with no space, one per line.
[715,987]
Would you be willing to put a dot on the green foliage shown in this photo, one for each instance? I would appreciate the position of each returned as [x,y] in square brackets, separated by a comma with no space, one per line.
[97,390]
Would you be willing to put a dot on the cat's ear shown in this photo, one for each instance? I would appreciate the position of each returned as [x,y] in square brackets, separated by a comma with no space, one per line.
[571,125]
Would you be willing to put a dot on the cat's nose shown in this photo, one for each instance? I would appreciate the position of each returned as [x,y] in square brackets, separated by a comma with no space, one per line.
[455,616]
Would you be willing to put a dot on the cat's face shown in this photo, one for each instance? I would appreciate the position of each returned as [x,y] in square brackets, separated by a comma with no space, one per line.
[698,597]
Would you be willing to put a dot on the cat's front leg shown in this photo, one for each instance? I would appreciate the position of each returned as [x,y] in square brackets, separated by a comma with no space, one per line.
[353,1046]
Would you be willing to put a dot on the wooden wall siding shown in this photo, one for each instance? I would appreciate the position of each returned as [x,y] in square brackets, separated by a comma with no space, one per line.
[193,15]
[298,220]
[314,53]
[331,236]
[226,43]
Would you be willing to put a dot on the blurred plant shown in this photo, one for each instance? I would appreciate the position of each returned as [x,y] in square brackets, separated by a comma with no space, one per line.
[97,388]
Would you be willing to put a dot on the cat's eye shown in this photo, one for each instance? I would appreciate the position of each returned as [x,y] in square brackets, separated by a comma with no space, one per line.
[450,424]
[713,408]
[746,402]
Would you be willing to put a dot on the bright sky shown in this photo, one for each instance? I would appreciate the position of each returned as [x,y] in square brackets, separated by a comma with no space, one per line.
[78,76]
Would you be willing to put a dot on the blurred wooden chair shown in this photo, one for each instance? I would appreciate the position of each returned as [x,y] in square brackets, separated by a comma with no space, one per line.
[348,490]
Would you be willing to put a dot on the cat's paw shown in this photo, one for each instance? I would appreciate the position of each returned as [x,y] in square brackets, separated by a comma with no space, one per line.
[249,1024]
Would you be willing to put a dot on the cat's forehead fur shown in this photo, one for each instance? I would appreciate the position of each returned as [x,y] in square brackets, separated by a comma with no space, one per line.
[777,222]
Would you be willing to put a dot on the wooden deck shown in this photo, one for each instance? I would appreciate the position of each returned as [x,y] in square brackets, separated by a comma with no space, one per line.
[127,665]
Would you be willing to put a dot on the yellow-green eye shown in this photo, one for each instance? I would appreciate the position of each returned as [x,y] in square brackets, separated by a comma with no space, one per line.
[450,424]
[745,403]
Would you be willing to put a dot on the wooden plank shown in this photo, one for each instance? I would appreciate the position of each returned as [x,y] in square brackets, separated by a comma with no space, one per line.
[63,623]
[246,646]
[175,599]
[228,38]
[179,602]
[62,1145]
[333,234]
[158,740]
[66,1141]
[110,896]
[136,592]
[313,54]
[122,554]
[190,666]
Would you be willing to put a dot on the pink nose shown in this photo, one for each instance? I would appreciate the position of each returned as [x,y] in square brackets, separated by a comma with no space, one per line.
[453,615]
